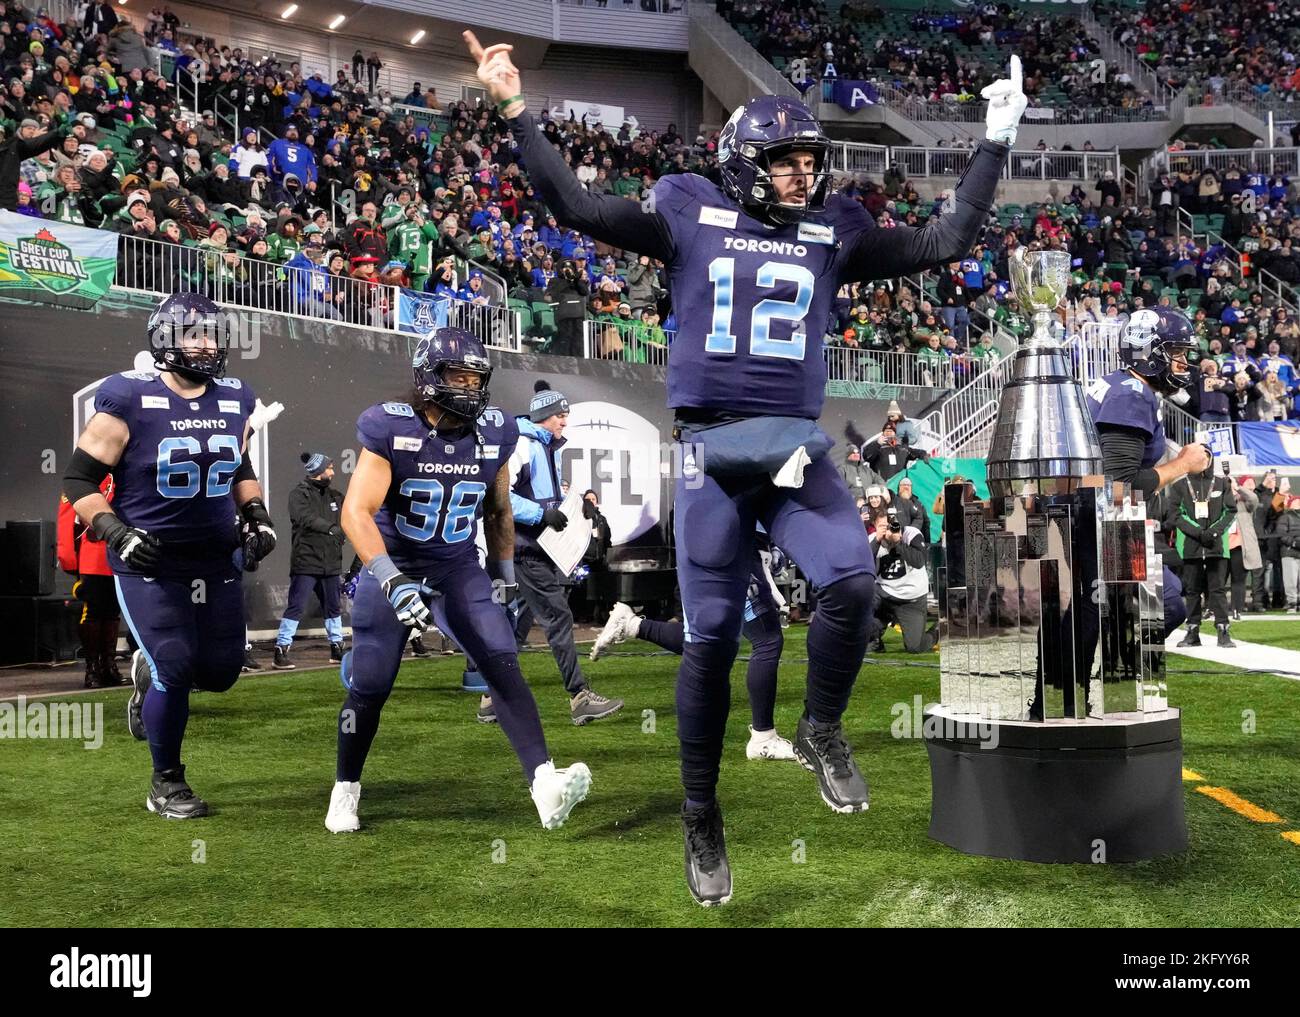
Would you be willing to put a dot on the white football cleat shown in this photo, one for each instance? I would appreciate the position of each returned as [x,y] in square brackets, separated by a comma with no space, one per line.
[624,623]
[768,745]
[556,792]
[344,799]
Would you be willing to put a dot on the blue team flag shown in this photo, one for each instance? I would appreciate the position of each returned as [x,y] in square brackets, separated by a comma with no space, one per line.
[420,313]
[1270,443]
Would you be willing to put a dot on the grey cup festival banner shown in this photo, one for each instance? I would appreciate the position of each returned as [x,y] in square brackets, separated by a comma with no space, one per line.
[54,262]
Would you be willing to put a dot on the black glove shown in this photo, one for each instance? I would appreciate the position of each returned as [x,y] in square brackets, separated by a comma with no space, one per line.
[257,534]
[554,518]
[1208,539]
[336,531]
[589,511]
[138,549]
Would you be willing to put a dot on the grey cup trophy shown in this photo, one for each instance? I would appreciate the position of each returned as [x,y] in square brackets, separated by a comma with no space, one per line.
[1053,732]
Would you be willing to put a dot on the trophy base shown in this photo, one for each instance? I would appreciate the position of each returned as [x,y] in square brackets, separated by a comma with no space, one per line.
[1063,791]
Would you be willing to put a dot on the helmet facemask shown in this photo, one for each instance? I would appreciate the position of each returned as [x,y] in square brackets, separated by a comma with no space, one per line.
[764,192]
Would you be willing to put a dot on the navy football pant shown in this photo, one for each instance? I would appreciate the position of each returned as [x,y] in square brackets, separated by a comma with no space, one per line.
[301,587]
[819,528]
[477,624]
[1175,606]
[763,630]
[192,633]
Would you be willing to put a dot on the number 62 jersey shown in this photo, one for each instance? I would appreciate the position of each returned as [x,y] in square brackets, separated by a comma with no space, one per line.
[430,514]
[175,478]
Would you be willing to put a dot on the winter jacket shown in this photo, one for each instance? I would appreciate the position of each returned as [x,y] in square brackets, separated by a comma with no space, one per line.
[534,482]
[1203,534]
[314,511]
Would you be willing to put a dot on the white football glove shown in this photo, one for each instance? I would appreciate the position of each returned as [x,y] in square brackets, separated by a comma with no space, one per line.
[263,414]
[1007,101]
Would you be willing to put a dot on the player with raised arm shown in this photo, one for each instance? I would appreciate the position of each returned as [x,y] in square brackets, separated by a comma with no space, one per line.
[754,268]
[177,445]
[428,469]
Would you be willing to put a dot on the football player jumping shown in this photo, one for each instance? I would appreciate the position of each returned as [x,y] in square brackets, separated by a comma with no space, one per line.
[177,445]
[428,468]
[754,267]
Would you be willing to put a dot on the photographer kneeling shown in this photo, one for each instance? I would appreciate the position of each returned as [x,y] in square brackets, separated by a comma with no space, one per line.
[902,585]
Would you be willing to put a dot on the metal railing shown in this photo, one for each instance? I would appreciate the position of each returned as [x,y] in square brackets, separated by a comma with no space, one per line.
[1022,164]
[1125,57]
[924,111]
[1094,350]
[1250,160]
[891,367]
[146,265]
[859,157]
[159,267]
[630,343]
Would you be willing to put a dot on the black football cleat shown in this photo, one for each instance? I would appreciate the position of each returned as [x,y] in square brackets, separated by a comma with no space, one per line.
[708,873]
[822,749]
[336,653]
[141,676]
[171,798]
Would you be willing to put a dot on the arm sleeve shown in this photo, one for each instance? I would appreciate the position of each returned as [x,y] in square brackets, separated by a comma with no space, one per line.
[913,553]
[300,513]
[614,220]
[114,398]
[523,509]
[373,432]
[882,254]
[1121,457]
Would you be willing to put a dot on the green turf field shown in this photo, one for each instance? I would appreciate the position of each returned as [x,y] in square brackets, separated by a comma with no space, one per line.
[442,793]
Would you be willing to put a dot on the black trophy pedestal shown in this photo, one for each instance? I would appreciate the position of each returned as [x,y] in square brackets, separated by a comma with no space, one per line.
[1064,791]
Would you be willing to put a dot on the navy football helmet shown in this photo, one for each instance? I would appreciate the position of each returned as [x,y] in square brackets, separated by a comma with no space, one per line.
[758,133]
[188,334]
[446,349]
[1152,340]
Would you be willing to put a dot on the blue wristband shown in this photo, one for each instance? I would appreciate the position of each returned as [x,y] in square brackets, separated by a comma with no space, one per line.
[503,570]
[382,568]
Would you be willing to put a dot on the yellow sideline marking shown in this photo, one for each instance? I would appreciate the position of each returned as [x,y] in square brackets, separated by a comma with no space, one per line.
[1239,805]
[1292,835]
[1191,774]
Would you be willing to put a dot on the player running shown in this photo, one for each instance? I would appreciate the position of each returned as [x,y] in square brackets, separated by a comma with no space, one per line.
[428,468]
[176,443]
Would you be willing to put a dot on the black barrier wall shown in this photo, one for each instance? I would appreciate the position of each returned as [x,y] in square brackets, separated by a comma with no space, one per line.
[618,441]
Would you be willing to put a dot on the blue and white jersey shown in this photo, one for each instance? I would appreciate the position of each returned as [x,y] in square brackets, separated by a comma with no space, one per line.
[752,300]
[176,475]
[430,514]
[1123,400]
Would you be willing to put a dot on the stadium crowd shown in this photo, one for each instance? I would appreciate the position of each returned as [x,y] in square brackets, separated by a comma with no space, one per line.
[946,56]
[1217,48]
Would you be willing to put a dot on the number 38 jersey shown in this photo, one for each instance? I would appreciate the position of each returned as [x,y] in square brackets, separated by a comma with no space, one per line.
[753,300]
[176,475]
[430,514]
